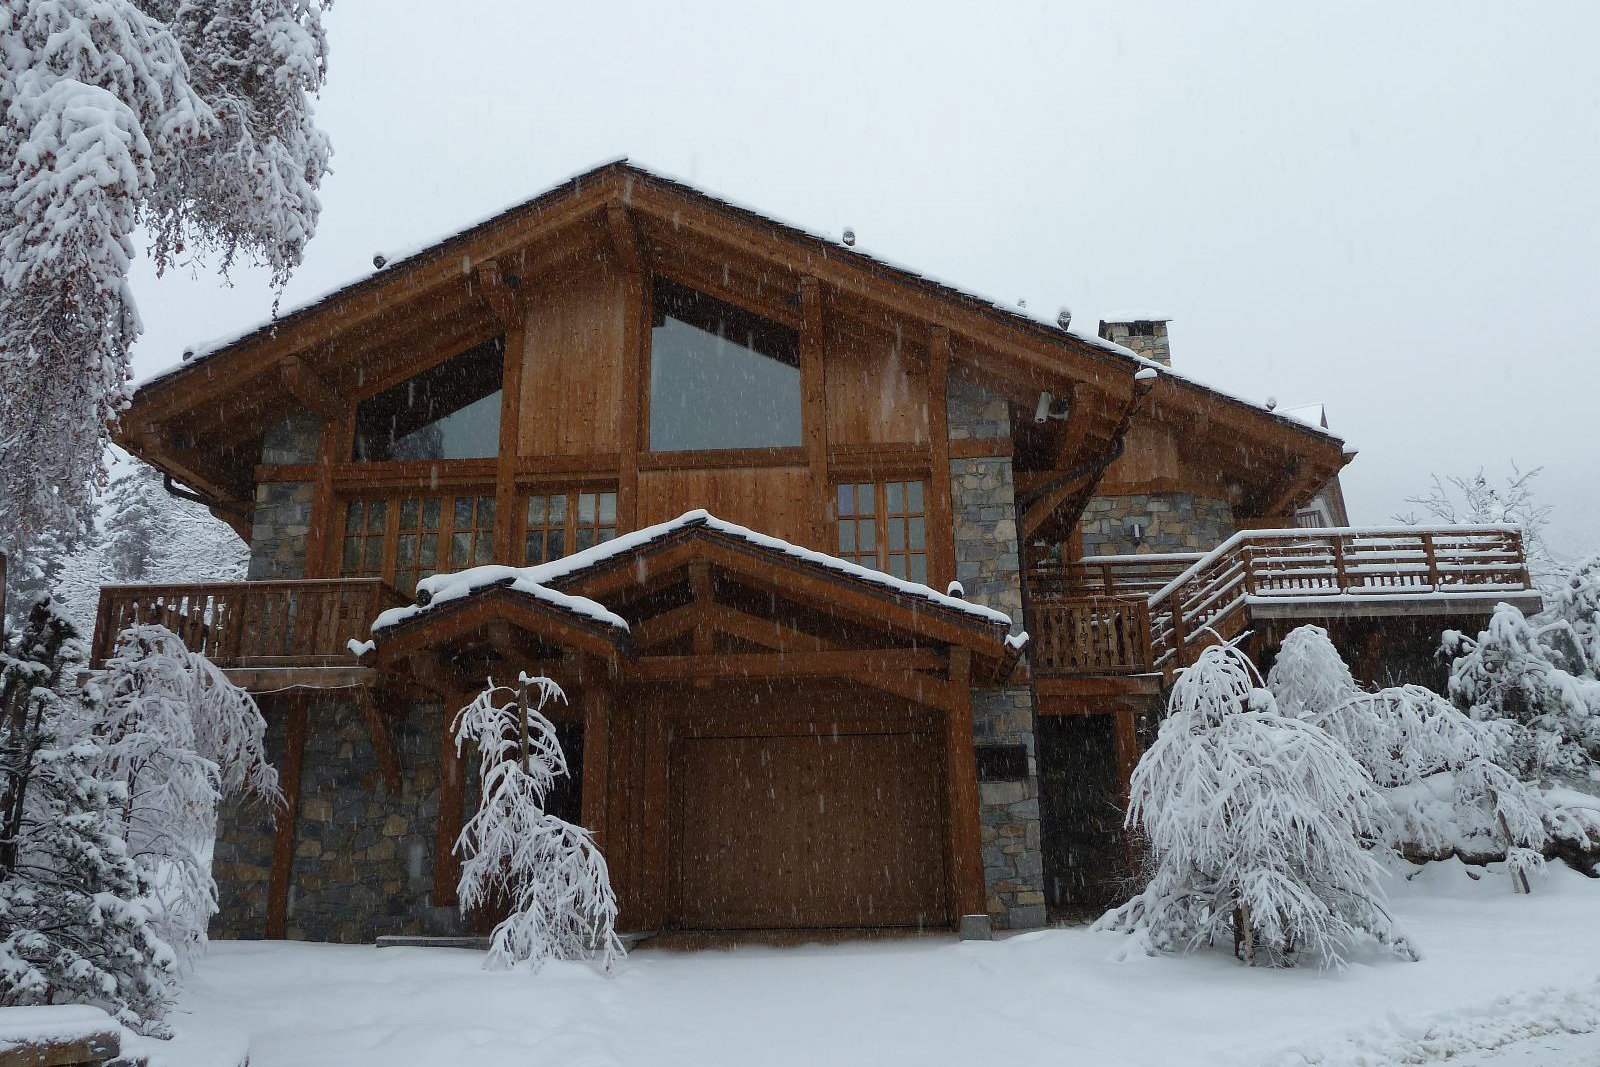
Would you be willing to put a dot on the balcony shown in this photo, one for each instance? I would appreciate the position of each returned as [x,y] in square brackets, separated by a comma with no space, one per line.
[1087,617]
[262,634]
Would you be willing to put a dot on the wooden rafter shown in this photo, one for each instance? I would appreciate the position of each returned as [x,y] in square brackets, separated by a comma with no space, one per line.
[498,293]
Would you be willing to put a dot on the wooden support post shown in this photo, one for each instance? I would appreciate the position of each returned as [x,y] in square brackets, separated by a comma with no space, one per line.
[321,540]
[507,504]
[637,316]
[288,821]
[941,518]
[1126,739]
[452,799]
[596,758]
[382,741]
[967,893]
[814,408]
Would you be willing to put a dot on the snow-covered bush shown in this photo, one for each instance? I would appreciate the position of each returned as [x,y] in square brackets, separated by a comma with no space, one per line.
[1540,675]
[548,870]
[178,737]
[1253,822]
[74,920]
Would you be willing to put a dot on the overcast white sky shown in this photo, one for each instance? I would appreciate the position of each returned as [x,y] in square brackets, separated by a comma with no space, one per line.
[1390,208]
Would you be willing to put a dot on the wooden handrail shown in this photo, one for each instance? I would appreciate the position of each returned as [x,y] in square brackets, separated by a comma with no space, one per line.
[1090,635]
[1211,598]
[239,624]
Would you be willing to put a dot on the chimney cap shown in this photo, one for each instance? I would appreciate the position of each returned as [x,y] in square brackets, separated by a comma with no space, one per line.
[1133,316]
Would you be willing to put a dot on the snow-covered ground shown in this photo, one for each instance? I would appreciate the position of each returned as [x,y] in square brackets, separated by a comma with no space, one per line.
[1517,975]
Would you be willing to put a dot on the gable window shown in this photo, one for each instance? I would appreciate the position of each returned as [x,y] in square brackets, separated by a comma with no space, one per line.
[404,539]
[449,411]
[883,525]
[720,377]
[562,523]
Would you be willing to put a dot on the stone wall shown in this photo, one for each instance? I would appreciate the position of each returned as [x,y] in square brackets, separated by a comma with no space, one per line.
[363,860]
[988,565]
[1170,522]
[282,516]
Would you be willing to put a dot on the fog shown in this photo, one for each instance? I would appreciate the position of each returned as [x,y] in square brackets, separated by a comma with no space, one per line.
[1388,209]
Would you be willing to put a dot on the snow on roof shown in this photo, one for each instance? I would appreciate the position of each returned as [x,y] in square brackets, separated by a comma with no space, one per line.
[1310,414]
[1034,318]
[535,580]
[1134,316]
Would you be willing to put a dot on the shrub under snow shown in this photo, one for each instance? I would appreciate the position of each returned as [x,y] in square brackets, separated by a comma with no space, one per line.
[1253,821]
[549,871]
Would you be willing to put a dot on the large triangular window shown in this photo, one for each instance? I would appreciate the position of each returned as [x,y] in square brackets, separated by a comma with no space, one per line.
[720,377]
[449,411]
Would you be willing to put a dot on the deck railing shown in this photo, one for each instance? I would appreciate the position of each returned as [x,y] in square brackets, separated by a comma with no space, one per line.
[1127,575]
[1090,635]
[1210,598]
[251,624]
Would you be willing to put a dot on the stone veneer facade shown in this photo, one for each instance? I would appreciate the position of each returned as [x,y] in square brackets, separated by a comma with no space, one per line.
[363,859]
[1170,522]
[282,516]
[988,566]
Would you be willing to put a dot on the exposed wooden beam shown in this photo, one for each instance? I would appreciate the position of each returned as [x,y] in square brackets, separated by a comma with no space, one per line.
[309,388]
[625,239]
[382,741]
[452,801]
[814,406]
[965,847]
[941,510]
[498,294]
[840,664]
[287,822]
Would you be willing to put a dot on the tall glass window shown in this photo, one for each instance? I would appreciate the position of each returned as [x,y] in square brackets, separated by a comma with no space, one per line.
[720,377]
[450,411]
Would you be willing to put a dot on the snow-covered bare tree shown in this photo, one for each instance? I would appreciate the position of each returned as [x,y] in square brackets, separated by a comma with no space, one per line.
[178,736]
[74,921]
[1476,500]
[549,871]
[191,118]
[1253,821]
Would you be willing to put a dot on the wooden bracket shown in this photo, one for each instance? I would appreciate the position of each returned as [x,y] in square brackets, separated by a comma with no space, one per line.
[382,741]
[500,297]
[624,238]
[309,388]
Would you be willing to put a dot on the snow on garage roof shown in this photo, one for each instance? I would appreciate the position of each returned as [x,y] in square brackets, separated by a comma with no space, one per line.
[535,581]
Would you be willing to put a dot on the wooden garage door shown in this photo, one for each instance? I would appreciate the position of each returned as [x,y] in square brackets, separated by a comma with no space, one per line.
[807,831]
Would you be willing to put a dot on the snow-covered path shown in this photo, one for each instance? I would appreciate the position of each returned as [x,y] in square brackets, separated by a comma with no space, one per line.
[1554,1050]
[1050,996]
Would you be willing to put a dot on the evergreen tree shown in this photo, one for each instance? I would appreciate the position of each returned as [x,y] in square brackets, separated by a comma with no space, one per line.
[191,118]
[1253,821]
[555,878]
[74,925]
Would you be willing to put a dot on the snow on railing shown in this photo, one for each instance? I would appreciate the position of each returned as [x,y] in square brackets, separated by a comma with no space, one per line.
[1328,565]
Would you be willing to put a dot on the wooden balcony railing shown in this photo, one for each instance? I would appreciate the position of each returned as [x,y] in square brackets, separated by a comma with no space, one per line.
[1130,575]
[1210,599]
[251,624]
[1090,635]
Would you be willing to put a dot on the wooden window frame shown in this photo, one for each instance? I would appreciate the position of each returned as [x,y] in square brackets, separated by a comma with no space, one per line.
[394,501]
[880,517]
[570,522]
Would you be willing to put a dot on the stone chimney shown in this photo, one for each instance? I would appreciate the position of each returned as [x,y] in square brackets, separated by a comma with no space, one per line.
[1143,332]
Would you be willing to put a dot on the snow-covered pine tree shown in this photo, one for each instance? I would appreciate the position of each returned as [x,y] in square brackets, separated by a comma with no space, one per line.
[550,872]
[74,926]
[1539,676]
[1309,676]
[178,736]
[33,571]
[190,118]
[1253,821]
[135,523]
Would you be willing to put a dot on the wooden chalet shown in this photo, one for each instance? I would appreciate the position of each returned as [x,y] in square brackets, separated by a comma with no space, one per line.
[715,475]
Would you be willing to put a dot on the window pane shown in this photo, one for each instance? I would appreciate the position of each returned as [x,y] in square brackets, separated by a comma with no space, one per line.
[557,539]
[895,498]
[486,513]
[373,554]
[582,538]
[536,510]
[463,512]
[558,509]
[352,516]
[918,534]
[847,500]
[867,536]
[377,512]
[897,566]
[586,508]
[428,555]
[720,377]
[460,549]
[847,537]
[410,512]
[484,550]
[607,532]
[406,551]
[430,512]
[866,499]
[608,509]
[914,498]
[919,569]
[451,411]
[533,547]
[897,533]
[352,554]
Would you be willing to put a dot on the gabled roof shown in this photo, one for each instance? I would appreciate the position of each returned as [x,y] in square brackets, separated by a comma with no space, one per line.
[451,244]
[542,581]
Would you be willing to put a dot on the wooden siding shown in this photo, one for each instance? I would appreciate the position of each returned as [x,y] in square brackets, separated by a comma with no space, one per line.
[572,366]
[877,389]
[771,500]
